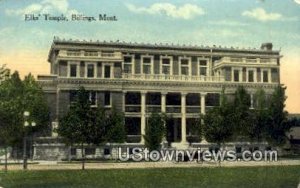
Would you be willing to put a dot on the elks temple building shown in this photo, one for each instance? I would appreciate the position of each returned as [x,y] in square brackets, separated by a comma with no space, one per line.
[137,79]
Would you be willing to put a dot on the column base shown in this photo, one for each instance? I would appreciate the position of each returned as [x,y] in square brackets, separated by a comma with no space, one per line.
[180,145]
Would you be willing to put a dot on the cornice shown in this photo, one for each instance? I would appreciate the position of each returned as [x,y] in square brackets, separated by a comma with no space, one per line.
[131,85]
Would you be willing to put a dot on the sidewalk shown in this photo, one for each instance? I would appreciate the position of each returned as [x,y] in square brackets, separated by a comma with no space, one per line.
[53,165]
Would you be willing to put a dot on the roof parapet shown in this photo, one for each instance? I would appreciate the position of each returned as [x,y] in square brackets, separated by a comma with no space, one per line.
[264,46]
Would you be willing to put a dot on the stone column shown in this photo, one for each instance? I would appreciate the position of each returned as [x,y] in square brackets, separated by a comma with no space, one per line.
[163,102]
[202,102]
[143,115]
[163,110]
[269,76]
[202,95]
[123,101]
[183,118]
[55,121]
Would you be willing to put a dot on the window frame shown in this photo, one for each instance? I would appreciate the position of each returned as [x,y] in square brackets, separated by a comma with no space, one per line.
[103,65]
[199,59]
[90,98]
[268,75]
[240,70]
[77,64]
[110,100]
[170,65]
[95,69]
[151,64]
[132,63]
[189,65]
[254,75]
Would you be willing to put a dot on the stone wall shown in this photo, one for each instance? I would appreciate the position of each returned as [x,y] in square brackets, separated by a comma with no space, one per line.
[137,59]
[274,75]
[64,102]
[51,101]
[156,64]
[194,66]
[63,68]
[227,73]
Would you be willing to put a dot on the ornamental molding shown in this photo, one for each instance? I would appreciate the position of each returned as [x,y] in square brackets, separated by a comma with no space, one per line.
[150,85]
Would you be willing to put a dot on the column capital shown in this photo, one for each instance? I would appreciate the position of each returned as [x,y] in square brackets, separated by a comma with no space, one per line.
[143,92]
[184,93]
[203,93]
[164,93]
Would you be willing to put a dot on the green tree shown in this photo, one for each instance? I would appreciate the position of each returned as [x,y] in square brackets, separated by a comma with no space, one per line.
[218,122]
[4,72]
[155,131]
[75,127]
[35,102]
[17,96]
[277,123]
[115,127]
[258,119]
[97,125]
[196,131]
[6,133]
[242,112]
[11,91]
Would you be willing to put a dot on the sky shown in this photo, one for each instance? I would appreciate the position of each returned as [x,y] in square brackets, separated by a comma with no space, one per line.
[232,23]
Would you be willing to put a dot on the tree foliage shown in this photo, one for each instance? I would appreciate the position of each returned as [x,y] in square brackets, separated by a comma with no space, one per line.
[84,124]
[115,127]
[277,122]
[266,122]
[17,96]
[4,72]
[218,123]
[155,131]
[258,118]
[243,114]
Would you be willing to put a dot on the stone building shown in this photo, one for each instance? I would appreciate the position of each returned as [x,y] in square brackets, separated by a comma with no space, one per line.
[137,79]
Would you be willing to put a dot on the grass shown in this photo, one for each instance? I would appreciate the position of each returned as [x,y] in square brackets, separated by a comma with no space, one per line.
[276,176]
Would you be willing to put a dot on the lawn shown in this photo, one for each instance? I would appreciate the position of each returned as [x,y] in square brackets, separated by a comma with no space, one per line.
[280,176]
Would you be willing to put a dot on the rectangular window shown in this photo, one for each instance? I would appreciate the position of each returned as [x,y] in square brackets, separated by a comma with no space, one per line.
[73,95]
[73,70]
[203,67]
[146,65]
[107,71]
[265,76]
[212,99]
[166,67]
[250,76]
[127,64]
[93,98]
[107,99]
[236,75]
[90,71]
[184,66]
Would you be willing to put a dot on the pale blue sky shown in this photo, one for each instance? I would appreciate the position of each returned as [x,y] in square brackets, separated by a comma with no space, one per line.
[243,23]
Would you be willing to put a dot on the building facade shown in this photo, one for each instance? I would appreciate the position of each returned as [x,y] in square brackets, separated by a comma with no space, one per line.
[137,79]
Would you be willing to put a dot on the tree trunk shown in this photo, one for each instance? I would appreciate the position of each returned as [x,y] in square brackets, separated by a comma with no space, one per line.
[69,154]
[82,157]
[5,165]
[24,153]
